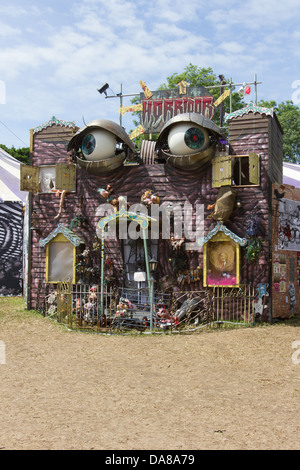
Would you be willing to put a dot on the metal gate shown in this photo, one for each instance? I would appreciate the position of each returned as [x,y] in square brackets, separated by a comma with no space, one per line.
[87,307]
[234,304]
[64,302]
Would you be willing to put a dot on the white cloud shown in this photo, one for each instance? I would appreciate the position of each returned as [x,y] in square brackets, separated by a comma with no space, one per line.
[11,10]
[232,47]
[6,30]
[56,56]
[253,15]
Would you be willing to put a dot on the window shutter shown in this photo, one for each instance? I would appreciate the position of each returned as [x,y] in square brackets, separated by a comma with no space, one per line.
[221,171]
[29,178]
[65,176]
[253,168]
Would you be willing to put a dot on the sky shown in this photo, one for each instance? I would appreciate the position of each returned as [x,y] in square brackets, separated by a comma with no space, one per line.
[54,55]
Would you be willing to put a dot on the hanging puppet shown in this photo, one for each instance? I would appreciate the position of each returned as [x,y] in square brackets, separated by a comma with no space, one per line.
[118,202]
[62,194]
[149,198]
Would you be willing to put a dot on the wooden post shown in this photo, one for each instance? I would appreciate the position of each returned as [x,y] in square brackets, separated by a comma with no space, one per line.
[150,283]
[245,303]
[102,271]
[222,300]
[216,289]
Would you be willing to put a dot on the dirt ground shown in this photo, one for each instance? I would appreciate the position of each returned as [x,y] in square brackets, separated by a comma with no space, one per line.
[222,389]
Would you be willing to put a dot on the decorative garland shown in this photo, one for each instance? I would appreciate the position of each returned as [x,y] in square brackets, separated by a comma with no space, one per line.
[251,108]
[71,236]
[221,228]
[57,122]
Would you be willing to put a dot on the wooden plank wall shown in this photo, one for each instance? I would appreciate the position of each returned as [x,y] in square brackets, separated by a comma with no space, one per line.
[275,151]
[260,134]
[291,274]
[170,184]
[49,148]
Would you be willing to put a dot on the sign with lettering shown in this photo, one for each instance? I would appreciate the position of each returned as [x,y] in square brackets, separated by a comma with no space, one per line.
[165,104]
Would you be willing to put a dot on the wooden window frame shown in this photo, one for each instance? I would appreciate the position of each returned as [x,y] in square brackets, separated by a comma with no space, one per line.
[60,238]
[227,160]
[219,238]
[65,178]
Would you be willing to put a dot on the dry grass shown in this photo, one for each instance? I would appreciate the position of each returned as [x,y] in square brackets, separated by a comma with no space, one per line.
[229,389]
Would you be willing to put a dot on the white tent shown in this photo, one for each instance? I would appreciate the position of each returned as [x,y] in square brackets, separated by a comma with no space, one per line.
[291,174]
[10,179]
[12,201]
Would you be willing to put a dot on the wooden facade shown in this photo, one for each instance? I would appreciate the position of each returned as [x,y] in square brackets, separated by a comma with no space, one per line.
[285,275]
[253,132]
[263,135]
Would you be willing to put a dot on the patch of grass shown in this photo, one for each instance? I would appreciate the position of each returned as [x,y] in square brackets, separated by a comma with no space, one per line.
[293,321]
[15,308]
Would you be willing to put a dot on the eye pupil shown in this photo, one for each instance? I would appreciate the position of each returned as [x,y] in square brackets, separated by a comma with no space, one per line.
[88,144]
[194,138]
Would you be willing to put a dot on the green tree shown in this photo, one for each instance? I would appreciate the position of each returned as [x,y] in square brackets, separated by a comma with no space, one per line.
[194,76]
[288,115]
[197,76]
[22,154]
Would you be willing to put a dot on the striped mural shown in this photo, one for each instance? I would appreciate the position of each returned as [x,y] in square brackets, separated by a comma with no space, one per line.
[11,248]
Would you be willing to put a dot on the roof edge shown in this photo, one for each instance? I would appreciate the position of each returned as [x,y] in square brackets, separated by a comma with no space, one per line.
[69,234]
[54,121]
[250,108]
[221,228]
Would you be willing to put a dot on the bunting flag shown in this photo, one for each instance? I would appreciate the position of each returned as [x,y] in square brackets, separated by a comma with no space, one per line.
[130,109]
[138,131]
[146,90]
[182,87]
[221,98]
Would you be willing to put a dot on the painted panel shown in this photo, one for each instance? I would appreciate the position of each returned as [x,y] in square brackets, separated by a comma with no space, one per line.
[221,171]
[29,178]
[11,248]
[253,168]
[65,176]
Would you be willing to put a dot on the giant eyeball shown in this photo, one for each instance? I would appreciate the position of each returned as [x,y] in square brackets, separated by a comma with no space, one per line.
[98,145]
[101,146]
[187,138]
[188,141]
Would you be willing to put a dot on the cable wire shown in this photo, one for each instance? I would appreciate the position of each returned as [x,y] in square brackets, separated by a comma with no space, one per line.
[13,133]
